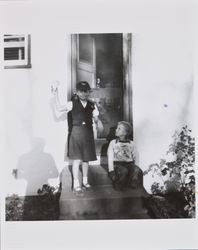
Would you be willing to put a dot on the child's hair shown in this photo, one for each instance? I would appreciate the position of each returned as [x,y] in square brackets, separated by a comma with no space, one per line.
[127,127]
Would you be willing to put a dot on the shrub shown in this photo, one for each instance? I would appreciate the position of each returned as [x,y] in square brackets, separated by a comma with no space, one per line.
[178,175]
[14,208]
[49,191]
[44,206]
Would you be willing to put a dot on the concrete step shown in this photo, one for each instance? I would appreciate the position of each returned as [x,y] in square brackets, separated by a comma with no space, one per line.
[97,175]
[103,202]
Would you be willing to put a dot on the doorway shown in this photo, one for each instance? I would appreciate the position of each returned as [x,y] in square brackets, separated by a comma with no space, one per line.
[104,61]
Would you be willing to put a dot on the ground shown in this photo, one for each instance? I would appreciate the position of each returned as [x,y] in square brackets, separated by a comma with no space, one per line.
[46,207]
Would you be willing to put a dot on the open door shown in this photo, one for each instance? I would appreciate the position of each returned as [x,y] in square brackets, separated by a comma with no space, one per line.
[104,61]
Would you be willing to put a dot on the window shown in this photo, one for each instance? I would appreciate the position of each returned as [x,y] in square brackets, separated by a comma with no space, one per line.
[17,51]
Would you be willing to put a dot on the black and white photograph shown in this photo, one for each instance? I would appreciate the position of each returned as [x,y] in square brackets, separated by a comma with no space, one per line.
[99,124]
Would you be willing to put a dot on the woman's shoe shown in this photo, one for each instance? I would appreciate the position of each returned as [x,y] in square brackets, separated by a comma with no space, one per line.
[78,190]
[86,186]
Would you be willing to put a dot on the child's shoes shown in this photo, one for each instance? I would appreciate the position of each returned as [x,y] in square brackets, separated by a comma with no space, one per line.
[86,187]
[78,191]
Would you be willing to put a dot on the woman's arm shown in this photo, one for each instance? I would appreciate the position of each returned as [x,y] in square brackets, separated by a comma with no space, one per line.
[99,125]
[58,105]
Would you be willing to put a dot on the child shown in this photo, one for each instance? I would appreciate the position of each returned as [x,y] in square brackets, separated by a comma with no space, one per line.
[81,139]
[121,159]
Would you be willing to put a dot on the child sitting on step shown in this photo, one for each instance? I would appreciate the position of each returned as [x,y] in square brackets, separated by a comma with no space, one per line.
[121,160]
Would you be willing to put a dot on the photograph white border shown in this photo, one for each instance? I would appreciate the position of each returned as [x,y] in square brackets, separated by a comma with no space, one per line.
[137,234]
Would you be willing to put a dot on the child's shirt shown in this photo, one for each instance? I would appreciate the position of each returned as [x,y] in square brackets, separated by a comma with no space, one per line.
[120,152]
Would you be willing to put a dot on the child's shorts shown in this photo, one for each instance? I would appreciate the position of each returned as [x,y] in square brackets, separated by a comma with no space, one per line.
[81,144]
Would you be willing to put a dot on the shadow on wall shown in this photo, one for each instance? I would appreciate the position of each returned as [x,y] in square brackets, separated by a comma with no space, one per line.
[36,167]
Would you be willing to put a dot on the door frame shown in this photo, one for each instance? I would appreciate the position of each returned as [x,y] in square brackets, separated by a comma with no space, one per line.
[127,73]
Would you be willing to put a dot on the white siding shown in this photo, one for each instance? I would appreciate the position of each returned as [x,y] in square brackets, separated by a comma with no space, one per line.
[162,76]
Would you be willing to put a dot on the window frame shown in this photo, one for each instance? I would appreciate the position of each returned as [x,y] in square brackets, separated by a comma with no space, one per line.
[20,63]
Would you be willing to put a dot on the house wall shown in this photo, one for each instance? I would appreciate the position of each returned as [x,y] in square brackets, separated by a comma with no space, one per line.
[162,78]
[162,88]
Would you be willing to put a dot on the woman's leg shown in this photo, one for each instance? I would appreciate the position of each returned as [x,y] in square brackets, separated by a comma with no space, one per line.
[75,172]
[85,167]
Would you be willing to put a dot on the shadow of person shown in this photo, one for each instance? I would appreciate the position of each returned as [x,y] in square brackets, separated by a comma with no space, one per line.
[36,168]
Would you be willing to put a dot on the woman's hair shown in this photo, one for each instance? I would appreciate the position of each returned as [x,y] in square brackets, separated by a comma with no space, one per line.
[83,85]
